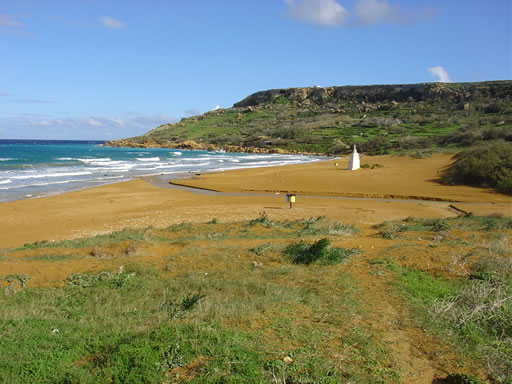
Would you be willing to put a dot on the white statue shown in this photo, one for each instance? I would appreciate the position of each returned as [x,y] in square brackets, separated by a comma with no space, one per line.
[353,163]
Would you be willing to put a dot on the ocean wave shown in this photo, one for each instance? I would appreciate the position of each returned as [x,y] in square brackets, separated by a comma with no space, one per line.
[195,165]
[106,163]
[148,164]
[176,153]
[95,180]
[64,158]
[251,163]
[49,175]
[7,181]
[168,165]
[148,158]
[263,156]
[223,169]
[98,160]
[124,168]
[35,185]
[6,158]
[198,159]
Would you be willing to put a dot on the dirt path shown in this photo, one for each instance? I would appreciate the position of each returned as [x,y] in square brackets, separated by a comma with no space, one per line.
[420,357]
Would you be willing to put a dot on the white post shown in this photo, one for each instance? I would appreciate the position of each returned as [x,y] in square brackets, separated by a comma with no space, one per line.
[353,163]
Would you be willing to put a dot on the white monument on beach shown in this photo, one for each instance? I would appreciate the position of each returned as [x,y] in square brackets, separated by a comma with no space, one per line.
[353,163]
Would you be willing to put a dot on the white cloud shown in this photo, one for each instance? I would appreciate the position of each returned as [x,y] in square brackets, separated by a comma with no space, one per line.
[94,123]
[8,21]
[440,73]
[325,13]
[330,13]
[111,23]
[377,11]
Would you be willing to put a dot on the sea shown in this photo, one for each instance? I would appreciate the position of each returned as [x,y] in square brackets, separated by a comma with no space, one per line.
[36,168]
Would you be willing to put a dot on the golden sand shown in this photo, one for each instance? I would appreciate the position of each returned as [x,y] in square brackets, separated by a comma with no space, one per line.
[401,187]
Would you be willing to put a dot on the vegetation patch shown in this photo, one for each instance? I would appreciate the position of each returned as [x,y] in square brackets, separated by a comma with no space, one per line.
[115,279]
[318,252]
[208,315]
[486,164]
[474,310]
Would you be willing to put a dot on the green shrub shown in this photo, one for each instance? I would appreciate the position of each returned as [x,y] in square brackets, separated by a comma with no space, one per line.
[115,279]
[439,225]
[261,249]
[262,220]
[319,251]
[177,308]
[462,378]
[486,164]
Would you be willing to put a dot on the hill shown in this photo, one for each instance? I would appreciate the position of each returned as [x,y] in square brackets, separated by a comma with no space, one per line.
[378,118]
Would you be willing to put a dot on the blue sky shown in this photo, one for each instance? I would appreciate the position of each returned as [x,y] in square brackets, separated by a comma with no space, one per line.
[100,69]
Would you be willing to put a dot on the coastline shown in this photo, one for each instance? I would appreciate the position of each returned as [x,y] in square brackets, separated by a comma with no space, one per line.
[140,203]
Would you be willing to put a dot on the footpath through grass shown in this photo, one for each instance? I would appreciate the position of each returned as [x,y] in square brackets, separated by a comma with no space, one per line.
[465,298]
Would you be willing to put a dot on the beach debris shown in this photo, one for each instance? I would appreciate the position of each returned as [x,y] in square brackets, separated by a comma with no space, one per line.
[288,360]
[256,264]
[54,331]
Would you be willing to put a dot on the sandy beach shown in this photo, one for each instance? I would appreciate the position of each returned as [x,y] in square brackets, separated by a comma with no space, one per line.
[402,187]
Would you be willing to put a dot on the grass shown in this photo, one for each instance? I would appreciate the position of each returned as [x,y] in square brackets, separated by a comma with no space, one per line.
[112,238]
[318,252]
[234,324]
[470,303]
[391,230]
[191,304]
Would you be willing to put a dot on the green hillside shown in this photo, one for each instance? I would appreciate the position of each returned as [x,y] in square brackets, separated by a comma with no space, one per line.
[379,119]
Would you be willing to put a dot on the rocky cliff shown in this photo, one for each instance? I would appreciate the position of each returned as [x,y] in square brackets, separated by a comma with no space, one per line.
[427,92]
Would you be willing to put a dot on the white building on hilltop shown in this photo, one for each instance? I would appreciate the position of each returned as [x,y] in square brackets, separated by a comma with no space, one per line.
[354,163]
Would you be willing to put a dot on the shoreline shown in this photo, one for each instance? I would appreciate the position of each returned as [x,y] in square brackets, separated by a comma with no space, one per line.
[244,195]
[81,185]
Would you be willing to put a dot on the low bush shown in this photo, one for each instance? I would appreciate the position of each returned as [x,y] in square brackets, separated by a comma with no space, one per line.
[319,251]
[262,220]
[486,164]
[177,308]
[115,279]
